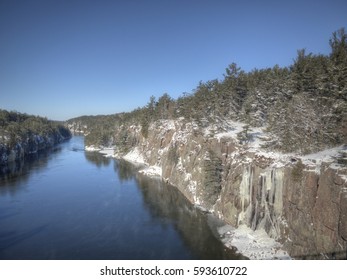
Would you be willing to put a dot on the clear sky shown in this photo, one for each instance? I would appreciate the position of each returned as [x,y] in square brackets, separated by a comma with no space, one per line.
[66,58]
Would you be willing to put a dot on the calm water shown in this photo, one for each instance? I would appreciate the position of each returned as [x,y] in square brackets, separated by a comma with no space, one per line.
[69,204]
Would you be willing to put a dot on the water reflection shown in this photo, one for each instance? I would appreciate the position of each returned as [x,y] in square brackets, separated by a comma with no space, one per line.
[14,175]
[125,170]
[74,210]
[168,204]
[97,159]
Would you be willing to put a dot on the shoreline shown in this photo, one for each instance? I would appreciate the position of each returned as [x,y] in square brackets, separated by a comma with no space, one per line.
[255,245]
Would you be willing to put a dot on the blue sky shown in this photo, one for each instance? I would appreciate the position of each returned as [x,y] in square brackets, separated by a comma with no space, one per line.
[63,59]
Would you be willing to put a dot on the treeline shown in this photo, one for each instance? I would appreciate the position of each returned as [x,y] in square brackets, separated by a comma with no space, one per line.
[22,134]
[99,129]
[303,106]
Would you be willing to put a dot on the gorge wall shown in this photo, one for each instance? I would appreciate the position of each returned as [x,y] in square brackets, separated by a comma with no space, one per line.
[30,145]
[299,201]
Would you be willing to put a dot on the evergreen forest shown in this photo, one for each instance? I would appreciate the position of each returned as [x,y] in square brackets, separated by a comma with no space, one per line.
[27,134]
[302,107]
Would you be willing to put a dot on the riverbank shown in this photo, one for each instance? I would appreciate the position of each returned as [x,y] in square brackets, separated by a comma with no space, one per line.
[70,204]
[245,184]
[251,244]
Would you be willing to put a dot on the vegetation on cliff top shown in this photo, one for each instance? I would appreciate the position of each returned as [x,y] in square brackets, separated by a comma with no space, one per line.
[17,128]
[303,106]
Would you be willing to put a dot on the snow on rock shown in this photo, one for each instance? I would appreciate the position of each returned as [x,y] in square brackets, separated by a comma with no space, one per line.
[135,156]
[192,188]
[279,159]
[256,245]
[325,155]
[232,129]
[92,148]
[107,152]
[182,131]
[191,184]
[329,156]
[163,126]
[152,171]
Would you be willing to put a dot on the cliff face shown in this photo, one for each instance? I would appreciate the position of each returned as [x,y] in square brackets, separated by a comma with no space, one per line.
[299,201]
[30,145]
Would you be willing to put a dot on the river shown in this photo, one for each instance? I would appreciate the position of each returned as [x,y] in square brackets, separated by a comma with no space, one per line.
[70,204]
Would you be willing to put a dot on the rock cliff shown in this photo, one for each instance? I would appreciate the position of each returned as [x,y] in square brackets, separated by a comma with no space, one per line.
[30,145]
[300,201]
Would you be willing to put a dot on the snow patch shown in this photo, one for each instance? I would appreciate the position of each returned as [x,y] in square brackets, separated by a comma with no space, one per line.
[232,129]
[256,245]
[315,160]
[107,152]
[92,148]
[152,171]
[183,131]
[325,155]
[134,156]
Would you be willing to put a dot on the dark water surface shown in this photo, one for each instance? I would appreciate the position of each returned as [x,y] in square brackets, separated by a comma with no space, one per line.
[70,204]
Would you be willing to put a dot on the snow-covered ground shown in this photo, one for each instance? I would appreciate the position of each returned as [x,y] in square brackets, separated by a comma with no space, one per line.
[326,155]
[255,245]
[135,156]
[232,128]
[256,140]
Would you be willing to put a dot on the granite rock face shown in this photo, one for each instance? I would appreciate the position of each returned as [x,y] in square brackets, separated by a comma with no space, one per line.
[301,204]
[31,145]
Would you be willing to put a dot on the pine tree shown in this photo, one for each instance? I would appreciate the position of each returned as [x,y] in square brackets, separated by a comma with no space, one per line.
[338,67]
